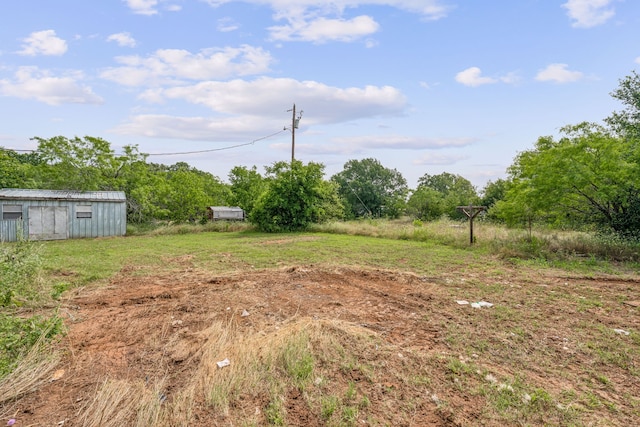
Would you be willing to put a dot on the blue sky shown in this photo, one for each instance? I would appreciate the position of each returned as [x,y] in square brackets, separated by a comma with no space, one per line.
[424,86]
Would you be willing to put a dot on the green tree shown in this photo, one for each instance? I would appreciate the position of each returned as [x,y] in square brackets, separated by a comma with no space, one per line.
[295,197]
[247,185]
[16,170]
[147,190]
[585,177]
[190,192]
[493,192]
[370,189]
[626,123]
[519,207]
[442,194]
[83,164]
[329,204]
[426,203]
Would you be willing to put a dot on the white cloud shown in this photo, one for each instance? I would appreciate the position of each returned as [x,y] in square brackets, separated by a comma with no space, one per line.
[123,39]
[558,73]
[323,29]
[365,143]
[589,13]
[43,43]
[510,78]
[370,43]
[143,7]
[429,9]
[400,142]
[32,83]
[264,97]
[248,108]
[227,24]
[214,129]
[150,7]
[168,65]
[321,21]
[638,60]
[440,159]
[473,77]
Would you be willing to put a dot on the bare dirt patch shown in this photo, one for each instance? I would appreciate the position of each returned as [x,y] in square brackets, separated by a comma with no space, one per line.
[388,348]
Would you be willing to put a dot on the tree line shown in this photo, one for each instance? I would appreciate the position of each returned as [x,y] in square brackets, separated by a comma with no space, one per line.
[588,178]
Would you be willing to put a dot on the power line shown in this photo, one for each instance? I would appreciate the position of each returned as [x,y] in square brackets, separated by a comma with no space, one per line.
[218,149]
[184,152]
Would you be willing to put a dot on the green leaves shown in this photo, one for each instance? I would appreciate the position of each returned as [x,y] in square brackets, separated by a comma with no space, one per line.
[296,196]
[247,185]
[20,267]
[370,189]
[585,177]
[441,194]
[83,164]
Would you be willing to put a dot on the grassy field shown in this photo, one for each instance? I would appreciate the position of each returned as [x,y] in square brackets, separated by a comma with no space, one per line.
[374,243]
[368,330]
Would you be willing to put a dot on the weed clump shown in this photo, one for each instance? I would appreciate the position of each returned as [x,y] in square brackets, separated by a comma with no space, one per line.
[21,287]
[20,268]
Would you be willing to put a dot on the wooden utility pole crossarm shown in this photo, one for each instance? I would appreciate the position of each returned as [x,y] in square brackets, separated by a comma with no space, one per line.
[471,212]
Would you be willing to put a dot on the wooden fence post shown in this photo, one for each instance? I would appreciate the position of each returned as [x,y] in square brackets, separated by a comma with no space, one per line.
[471,212]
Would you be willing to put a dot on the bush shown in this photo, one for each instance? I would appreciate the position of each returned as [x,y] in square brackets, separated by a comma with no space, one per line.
[20,267]
[294,198]
[21,283]
[18,336]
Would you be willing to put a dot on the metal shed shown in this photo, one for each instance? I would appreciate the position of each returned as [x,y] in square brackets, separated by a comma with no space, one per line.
[229,213]
[61,214]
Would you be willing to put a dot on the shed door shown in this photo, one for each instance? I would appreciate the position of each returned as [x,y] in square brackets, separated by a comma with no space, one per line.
[48,223]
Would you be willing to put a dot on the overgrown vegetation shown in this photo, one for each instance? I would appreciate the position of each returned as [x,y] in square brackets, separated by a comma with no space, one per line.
[296,196]
[540,243]
[20,266]
[21,291]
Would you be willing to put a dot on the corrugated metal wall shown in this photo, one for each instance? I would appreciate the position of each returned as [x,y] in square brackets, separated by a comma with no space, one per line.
[107,219]
[9,230]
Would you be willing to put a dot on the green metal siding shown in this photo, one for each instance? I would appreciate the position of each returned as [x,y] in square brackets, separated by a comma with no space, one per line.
[108,213]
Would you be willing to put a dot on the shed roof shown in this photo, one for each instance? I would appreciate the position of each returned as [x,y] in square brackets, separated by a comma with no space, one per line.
[224,208]
[67,195]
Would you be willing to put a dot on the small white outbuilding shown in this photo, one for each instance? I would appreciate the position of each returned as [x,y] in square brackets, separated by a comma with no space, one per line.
[228,213]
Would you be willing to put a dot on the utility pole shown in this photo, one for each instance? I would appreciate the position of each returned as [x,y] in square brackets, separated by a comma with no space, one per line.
[293,133]
[294,125]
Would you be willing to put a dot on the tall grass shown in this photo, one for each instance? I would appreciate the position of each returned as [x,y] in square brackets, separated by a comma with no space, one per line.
[263,370]
[30,370]
[23,334]
[170,228]
[20,268]
[541,243]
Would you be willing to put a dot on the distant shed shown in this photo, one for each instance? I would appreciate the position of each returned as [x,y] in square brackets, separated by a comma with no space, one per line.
[228,213]
[61,214]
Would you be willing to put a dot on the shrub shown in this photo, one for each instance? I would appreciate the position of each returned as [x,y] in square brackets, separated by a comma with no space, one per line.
[20,267]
